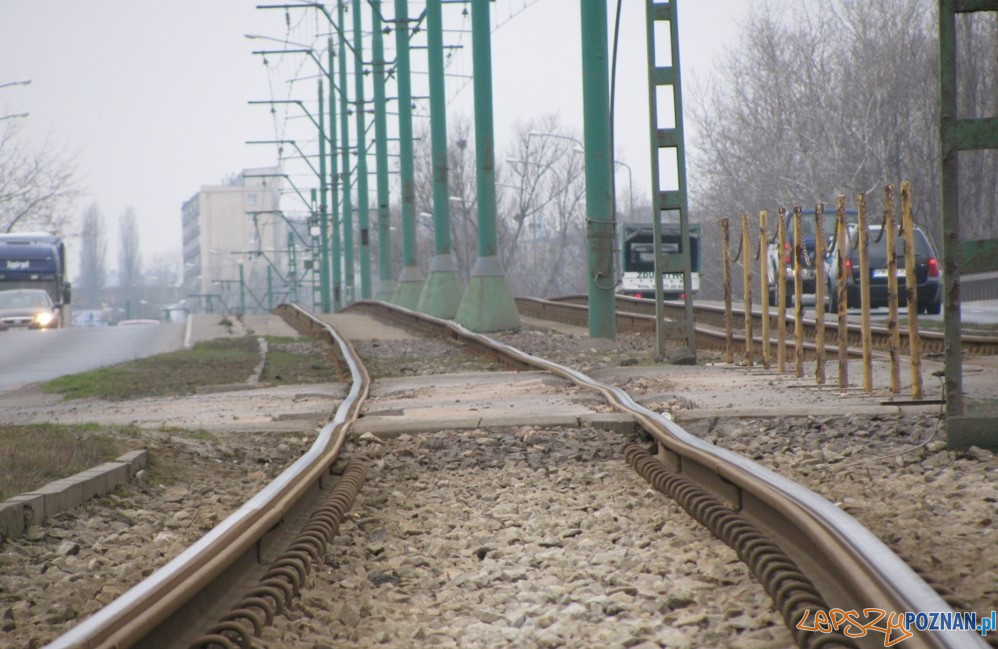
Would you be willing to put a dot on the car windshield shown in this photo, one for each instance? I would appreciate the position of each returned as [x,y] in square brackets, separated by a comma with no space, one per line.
[878,249]
[27,299]
[808,224]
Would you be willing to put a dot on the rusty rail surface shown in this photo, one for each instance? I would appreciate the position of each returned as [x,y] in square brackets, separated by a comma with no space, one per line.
[197,588]
[639,315]
[847,565]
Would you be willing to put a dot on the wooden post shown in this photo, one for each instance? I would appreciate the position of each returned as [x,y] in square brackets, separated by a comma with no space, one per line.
[764,288]
[911,290]
[842,250]
[819,293]
[729,347]
[747,285]
[798,248]
[890,231]
[864,293]
[781,292]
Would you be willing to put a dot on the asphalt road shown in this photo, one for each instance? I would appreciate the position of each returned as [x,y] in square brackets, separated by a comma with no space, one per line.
[34,356]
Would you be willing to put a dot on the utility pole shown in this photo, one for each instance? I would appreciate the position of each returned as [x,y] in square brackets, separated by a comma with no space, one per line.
[600,224]
[441,294]
[386,284]
[363,200]
[348,292]
[323,225]
[410,283]
[487,304]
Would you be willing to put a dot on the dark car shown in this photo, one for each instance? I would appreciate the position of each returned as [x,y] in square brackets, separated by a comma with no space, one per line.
[807,251]
[928,274]
[28,308]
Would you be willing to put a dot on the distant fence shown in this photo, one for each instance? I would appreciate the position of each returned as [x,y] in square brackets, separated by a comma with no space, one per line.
[979,286]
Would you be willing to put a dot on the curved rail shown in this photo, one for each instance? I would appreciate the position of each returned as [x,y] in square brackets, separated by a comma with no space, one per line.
[849,566]
[714,316]
[136,614]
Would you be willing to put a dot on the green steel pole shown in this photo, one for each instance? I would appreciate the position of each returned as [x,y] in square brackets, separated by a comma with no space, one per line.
[363,199]
[410,282]
[242,291]
[386,283]
[953,349]
[292,270]
[441,294]
[487,304]
[323,227]
[270,288]
[334,184]
[347,213]
[599,170]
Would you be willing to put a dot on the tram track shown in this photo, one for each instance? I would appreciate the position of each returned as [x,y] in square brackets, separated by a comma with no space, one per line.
[639,315]
[740,493]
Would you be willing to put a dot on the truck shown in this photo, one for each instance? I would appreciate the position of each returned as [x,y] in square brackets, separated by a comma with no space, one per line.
[637,260]
[33,260]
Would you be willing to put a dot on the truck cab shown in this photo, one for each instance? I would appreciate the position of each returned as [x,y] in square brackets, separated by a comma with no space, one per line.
[34,260]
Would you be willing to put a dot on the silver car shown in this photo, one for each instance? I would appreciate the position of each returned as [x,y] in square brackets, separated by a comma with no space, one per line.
[29,308]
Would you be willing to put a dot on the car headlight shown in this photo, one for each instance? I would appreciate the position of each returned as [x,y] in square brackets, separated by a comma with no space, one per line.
[44,318]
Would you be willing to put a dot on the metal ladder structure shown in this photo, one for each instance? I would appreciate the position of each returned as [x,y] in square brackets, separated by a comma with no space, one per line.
[670,204]
[960,134]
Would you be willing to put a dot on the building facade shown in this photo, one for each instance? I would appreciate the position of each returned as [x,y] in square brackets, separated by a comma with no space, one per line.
[235,244]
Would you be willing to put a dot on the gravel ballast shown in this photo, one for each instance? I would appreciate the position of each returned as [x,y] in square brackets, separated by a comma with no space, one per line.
[517,537]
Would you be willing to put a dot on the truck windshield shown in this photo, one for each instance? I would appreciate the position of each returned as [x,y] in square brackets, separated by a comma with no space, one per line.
[19,299]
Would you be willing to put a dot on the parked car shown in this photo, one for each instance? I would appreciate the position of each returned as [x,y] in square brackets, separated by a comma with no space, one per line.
[807,252]
[928,274]
[29,308]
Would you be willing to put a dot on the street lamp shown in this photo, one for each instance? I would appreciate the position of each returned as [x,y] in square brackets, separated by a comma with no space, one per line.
[14,83]
[580,148]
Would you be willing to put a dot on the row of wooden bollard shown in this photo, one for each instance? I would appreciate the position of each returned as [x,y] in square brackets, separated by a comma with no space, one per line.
[846,235]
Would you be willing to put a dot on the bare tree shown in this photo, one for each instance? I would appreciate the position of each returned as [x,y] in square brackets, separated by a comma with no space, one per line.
[37,189]
[818,100]
[462,177]
[93,258]
[542,229]
[129,257]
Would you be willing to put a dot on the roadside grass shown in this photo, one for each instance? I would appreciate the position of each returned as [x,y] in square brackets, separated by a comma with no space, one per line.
[32,455]
[297,360]
[35,454]
[214,362]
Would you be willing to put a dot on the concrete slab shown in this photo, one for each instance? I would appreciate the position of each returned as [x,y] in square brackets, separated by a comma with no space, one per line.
[11,520]
[93,481]
[471,400]
[356,326]
[21,511]
[32,507]
[136,461]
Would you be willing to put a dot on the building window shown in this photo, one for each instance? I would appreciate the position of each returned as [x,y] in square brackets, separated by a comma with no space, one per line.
[251,199]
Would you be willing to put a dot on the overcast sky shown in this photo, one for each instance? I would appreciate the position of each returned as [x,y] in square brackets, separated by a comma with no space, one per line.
[151,97]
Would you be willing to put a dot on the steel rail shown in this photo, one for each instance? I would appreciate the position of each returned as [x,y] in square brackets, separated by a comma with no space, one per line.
[849,565]
[637,314]
[713,316]
[707,337]
[131,617]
